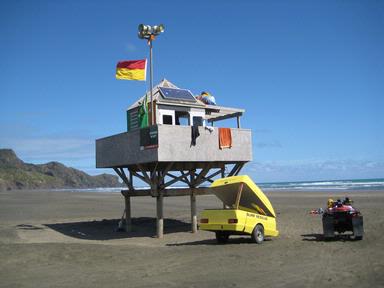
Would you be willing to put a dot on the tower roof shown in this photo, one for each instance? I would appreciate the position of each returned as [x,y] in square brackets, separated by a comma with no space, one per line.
[213,112]
[161,100]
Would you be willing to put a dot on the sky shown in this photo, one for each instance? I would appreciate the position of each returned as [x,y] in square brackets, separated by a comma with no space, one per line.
[310,75]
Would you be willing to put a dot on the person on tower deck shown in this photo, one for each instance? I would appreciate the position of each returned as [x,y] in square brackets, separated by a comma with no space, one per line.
[206,98]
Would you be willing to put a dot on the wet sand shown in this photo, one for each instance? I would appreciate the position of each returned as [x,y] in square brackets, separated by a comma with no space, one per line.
[68,239]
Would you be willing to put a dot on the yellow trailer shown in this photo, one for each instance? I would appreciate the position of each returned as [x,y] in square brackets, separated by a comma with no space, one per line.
[247,211]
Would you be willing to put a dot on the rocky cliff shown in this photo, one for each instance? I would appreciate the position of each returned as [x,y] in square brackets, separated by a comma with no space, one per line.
[15,174]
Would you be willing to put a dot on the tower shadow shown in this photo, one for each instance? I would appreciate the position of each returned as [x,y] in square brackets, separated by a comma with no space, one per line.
[107,229]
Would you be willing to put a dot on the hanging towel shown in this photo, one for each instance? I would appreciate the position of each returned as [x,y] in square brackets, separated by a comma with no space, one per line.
[225,138]
[194,134]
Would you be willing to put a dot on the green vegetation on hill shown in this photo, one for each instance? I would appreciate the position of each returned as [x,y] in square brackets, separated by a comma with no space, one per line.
[15,174]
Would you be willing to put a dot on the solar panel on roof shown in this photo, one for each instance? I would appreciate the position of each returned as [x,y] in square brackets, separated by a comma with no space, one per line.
[177,94]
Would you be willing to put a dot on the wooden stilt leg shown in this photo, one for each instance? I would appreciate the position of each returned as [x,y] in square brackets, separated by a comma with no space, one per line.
[193,213]
[160,217]
[128,220]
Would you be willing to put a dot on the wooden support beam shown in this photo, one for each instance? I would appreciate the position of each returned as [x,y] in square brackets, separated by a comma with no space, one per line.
[234,169]
[209,178]
[214,174]
[176,179]
[140,177]
[131,178]
[136,193]
[182,179]
[187,191]
[154,177]
[202,174]
[239,168]
[185,176]
[146,177]
[121,173]
[165,171]
[170,192]
[192,174]
[227,116]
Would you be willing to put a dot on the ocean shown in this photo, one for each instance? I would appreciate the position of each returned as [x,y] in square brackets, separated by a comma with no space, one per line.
[354,184]
[327,185]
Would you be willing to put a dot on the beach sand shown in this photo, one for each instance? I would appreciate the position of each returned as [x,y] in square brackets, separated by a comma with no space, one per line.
[67,239]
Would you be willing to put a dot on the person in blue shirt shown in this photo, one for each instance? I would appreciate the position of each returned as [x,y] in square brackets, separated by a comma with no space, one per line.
[206,98]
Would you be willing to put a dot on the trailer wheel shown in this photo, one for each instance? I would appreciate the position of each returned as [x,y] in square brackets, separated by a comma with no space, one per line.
[222,237]
[258,234]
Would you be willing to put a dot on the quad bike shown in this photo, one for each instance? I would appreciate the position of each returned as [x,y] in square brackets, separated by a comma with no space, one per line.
[341,219]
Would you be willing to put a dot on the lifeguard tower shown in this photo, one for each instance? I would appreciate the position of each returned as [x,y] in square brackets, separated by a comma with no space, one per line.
[183,147]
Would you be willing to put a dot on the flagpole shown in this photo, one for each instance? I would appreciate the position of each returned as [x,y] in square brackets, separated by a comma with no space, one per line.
[149,33]
[151,79]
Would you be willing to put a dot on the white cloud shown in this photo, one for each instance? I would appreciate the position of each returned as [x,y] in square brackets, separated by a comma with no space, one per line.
[78,151]
[73,151]
[51,148]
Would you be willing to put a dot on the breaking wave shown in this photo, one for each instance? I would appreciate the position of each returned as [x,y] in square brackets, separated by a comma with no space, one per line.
[359,184]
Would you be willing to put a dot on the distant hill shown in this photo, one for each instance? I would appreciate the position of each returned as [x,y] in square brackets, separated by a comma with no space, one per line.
[15,174]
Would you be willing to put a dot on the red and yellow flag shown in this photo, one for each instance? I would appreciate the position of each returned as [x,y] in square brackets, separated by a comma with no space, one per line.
[132,70]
